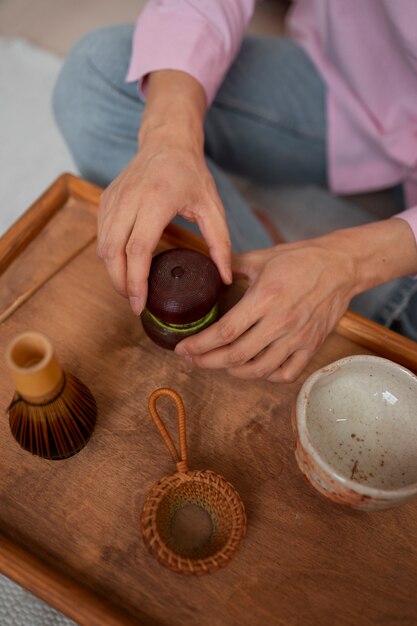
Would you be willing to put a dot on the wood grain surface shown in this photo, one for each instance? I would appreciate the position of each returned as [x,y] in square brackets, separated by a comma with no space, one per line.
[70,529]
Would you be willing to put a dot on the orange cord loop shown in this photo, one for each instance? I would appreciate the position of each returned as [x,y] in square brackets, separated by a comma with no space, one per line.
[180,460]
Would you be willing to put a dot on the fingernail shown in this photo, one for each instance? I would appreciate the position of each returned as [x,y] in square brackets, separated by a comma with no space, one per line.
[187,359]
[136,304]
[182,351]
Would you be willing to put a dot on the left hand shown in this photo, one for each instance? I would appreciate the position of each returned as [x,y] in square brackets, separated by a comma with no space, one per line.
[297,294]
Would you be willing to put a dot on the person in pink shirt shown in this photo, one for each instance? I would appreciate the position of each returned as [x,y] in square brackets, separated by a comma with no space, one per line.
[159,112]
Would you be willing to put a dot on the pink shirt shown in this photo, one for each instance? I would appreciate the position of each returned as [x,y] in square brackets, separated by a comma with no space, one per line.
[365,50]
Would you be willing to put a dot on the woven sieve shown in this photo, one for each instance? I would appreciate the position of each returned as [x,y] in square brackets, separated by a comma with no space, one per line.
[202,488]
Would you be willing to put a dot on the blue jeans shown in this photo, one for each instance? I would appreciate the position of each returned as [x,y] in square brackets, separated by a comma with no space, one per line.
[267,124]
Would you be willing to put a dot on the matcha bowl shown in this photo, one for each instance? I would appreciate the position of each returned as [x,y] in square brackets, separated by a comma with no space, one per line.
[355,422]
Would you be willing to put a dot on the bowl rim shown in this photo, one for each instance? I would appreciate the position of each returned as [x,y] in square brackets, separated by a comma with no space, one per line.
[305,441]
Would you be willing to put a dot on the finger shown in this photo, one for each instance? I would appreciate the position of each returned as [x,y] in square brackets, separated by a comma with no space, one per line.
[104,208]
[104,221]
[265,363]
[231,326]
[116,267]
[116,199]
[238,353]
[111,248]
[142,242]
[292,368]
[214,229]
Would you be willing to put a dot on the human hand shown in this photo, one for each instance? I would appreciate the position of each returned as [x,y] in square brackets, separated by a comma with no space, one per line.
[168,177]
[158,184]
[297,293]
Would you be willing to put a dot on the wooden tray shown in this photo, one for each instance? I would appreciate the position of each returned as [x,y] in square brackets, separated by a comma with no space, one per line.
[70,530]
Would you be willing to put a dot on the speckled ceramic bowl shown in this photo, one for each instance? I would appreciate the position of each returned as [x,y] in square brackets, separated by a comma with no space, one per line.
[355,422]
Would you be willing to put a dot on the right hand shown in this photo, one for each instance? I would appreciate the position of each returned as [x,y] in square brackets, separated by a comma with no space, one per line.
[168,177]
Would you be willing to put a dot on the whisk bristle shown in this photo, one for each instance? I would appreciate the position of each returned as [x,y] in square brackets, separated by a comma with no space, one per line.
[56,427]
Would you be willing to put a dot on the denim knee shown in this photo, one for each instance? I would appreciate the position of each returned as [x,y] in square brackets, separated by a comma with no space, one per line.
[75,74]
[83,100]
[70,105]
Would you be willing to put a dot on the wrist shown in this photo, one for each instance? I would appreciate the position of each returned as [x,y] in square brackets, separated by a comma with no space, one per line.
[175,110]
[375,253]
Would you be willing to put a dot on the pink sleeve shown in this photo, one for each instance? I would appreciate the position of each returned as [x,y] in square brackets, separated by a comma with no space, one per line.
[410,216]
[200,37]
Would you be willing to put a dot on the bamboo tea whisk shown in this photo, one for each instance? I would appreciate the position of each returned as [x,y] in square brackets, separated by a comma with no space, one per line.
[52,414]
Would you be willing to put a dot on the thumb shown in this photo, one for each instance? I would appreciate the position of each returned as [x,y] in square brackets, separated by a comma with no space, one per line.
[251,264]
[244,265]
[240,265]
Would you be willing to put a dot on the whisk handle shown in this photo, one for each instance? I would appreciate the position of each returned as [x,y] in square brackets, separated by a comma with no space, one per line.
[180,459]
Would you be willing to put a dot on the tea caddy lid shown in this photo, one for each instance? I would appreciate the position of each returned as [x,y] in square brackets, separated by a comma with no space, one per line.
[183,286]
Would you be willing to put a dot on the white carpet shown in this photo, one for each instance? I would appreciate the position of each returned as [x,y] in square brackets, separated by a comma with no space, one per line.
[32,155]
[20,608]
